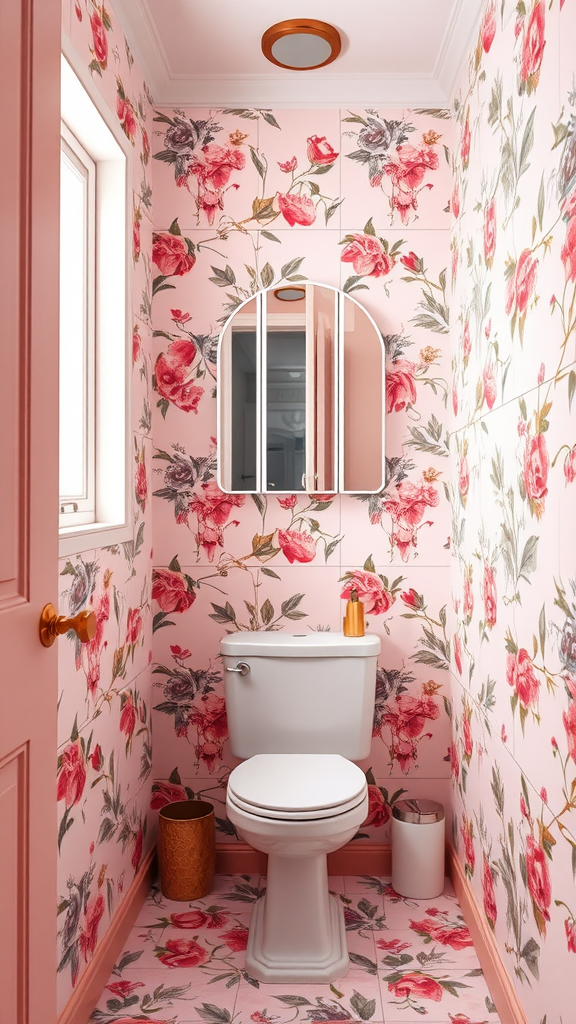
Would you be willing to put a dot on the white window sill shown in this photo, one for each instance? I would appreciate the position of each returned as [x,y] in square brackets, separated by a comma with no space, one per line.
[75,539]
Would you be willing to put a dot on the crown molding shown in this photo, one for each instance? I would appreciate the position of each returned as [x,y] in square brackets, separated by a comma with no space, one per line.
[313,89]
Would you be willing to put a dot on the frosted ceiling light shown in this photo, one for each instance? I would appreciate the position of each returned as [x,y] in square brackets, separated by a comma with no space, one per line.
[301,44]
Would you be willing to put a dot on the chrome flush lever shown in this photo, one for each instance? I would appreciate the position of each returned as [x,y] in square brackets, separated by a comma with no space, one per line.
[242,667]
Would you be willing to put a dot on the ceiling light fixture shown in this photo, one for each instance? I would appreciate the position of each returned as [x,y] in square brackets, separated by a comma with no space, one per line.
[290,294]
[301,44]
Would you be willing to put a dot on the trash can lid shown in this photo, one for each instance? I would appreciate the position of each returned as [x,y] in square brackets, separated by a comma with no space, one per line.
[418,811]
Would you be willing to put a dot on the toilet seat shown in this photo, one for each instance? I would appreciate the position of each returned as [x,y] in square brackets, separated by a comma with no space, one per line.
[296,787]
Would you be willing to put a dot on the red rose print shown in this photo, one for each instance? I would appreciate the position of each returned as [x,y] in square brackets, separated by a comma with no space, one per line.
[371,591]
[183,953]
[490,908]
[570,466]
[490,233]
[455,936]
[568,253]
[100,40]
[71,774]
[406,717]
[141,485]
[467,734]
[96,758]
[533,47]
[414,983]
[538,877]
[296,209]
[378,810]
[319,151]
[570,927]
[127,119]
[367,255]
[288,502]
[298,546]
[164,793]
[136,344]
[465,144]
[134,625]
[124,988]
[196,919]
[171,590]
[536,465]
[212,508]
[489,595]
[393,945]
[406,511]
[209,717]
[136,239]
[128,716]
[412,262]
[466,831]
[489,382]
[406,172]
[400,386]
[236,939]
[412,598]
[569,722]
[289,166]
[488,29]
[89,934]
[214,164]
[520,675]
[458,654]
[171,254]
[521,284]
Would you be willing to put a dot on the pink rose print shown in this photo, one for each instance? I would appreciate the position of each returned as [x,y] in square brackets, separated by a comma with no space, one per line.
[236,939]
[463,479]
[367,255]
[490,233]
[71,774]
[407,171]
[378,810]
[214,164]
[467,734]
[406,510]
[298,546]
[488,29]
[458,654]
[568,253]
[171,254]
[489,382]
[412,599]
[319,151]
[182,953]
[400,386]
[465,144]
[136,344]
[520,676]
[536,465]
[171,371]
[371,591]
[455,936]
[538,881]
[89,934]
[126,116]
[533,48]
[128,716]
[489,595]
[96,758]
[141,485]
[489,899]
[171,590]
[212,508]
[289,502]
[296,209]
[412,262]
[134,625]
[570,466]
[415,983]
[289,165]
[393,945]
[136,237]
[196,919]
[406,717]
[521,283]
[209,717]
[99,39]
[569,722]
[455,200]
[124,988]
[570,928]
[164,793]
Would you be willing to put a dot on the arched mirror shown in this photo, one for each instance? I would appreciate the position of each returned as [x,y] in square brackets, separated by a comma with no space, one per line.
[301,394]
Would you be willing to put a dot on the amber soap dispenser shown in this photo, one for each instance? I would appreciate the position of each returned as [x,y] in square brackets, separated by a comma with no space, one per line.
[354,618]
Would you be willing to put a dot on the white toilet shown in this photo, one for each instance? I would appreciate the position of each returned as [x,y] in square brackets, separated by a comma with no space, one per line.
[300,711]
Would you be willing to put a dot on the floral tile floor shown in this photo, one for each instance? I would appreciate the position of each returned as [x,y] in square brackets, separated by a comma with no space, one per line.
[410,959]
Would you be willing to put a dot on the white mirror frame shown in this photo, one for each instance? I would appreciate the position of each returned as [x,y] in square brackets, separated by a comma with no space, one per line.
[223,397]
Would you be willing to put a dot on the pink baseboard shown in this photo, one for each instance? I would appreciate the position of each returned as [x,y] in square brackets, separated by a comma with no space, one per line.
[352,859]
[92,983]
[507,1003]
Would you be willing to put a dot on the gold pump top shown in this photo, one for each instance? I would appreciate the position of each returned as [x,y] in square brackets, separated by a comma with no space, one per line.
[353,623]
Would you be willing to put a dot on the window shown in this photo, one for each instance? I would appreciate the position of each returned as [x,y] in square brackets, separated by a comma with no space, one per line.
[94,323]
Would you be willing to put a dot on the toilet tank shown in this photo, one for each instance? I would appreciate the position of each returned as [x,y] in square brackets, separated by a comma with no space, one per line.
[307,693]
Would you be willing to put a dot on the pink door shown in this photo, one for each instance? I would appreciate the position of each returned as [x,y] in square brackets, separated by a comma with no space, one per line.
[29,167]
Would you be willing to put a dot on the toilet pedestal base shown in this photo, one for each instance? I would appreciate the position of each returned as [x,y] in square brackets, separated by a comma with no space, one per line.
[297,933]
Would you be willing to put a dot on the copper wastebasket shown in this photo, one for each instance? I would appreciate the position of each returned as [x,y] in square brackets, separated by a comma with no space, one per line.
[186,849]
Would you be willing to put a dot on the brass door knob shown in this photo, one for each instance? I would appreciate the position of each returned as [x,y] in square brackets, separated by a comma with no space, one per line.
[53,625]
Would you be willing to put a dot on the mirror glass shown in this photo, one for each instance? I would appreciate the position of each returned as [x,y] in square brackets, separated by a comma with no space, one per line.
[301,395]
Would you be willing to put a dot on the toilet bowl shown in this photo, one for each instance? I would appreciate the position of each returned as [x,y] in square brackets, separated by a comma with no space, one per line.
[297,808]
[300,710]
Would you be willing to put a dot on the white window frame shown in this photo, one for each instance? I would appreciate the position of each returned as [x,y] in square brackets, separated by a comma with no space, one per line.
[86,115]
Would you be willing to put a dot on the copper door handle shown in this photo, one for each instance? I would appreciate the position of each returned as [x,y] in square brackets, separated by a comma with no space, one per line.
[53,625]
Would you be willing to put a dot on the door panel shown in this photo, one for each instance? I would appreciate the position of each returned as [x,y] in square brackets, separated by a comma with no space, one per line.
[29,199]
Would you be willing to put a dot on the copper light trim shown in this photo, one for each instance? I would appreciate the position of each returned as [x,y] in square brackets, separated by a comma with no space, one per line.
[301,26]
[290,293]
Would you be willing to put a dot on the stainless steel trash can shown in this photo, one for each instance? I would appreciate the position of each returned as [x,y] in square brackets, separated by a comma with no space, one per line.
[418,848]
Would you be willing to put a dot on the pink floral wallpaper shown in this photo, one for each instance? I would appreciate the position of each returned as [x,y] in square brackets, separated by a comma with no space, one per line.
[512,614]
[358,199]
[105,686]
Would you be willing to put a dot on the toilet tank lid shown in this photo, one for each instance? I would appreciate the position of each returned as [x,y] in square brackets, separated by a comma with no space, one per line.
[300,645]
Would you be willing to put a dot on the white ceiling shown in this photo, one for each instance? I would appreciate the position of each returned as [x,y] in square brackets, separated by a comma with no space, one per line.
[207,52]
